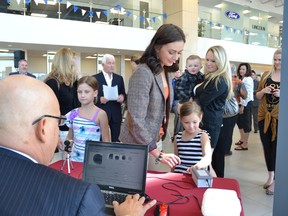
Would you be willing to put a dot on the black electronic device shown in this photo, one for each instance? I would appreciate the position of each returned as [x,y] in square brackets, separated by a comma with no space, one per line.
[68,145]
[119,169]
[67,149]
[161,209]
[18,55]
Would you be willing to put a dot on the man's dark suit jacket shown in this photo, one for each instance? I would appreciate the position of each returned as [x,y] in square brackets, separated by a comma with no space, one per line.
[17,73]
[112,108]
[28,188]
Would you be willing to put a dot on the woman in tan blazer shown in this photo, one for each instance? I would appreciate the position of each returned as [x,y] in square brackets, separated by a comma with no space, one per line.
[150,92]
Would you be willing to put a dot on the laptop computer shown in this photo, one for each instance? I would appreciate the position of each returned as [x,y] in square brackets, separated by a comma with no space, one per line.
[117,168]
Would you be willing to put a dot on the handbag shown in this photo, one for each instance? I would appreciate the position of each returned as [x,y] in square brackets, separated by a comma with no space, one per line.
[231,107]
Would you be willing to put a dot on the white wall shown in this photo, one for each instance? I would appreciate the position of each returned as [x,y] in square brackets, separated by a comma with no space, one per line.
[88,66]
[27,29]
[37,64]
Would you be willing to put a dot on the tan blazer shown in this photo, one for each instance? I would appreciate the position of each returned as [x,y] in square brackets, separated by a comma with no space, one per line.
[146,107]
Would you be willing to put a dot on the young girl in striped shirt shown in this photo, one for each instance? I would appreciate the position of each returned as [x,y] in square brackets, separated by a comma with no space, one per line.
[193,144]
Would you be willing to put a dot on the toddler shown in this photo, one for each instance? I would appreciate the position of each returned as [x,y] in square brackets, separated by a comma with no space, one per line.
[191,77]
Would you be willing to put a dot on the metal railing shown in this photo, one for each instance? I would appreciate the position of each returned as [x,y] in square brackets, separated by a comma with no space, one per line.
[209,29]
[86,11]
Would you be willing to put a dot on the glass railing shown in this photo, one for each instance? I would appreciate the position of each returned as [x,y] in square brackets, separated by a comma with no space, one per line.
[209,29]
[96,11]
[130,14]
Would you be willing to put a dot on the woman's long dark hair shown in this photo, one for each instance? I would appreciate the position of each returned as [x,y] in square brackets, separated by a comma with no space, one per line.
[167,33]
[248,70]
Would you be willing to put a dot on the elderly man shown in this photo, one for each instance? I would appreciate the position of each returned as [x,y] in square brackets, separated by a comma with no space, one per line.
[23,69]
[28,141]
[111,106]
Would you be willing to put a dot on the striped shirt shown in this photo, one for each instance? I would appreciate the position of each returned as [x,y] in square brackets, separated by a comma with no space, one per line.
[190,152]
[83,129]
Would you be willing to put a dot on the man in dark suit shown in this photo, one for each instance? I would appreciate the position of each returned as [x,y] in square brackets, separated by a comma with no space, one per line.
[111,106]
[23,69]
[28,141]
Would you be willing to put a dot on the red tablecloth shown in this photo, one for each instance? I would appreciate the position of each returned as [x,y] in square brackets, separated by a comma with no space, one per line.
[75,172]
[167,187]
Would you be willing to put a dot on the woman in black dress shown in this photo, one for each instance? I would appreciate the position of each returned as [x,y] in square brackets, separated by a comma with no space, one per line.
[63,81]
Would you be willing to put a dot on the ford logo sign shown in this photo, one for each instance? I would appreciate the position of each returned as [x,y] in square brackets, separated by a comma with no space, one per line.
[232,15]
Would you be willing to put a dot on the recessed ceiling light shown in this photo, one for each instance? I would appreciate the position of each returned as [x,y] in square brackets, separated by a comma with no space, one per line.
[38,15]
[91,57]
[49,53]
[246,11]
[255,18]
[218,5]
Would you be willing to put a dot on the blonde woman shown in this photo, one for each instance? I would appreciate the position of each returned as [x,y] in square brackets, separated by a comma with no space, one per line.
[63,81]
[212,93]
[269,94]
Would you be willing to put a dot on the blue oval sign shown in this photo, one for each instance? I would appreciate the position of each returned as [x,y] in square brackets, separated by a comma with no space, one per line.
[232,15]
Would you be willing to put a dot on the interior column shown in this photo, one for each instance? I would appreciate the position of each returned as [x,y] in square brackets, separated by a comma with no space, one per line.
[184,13]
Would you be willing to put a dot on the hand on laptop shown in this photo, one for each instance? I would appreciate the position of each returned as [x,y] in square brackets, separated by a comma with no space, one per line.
[133,206]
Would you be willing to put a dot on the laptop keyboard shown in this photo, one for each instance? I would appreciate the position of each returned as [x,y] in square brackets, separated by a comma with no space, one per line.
[110,196]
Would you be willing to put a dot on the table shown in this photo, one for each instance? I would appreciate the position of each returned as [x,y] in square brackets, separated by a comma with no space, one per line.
[166,187]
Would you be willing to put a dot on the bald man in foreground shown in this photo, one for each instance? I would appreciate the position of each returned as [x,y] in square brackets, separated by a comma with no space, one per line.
[28,138]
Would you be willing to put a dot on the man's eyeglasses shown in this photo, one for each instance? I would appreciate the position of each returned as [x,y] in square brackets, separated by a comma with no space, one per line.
[61,119]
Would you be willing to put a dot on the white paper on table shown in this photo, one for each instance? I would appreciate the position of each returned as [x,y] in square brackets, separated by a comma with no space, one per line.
[110,93]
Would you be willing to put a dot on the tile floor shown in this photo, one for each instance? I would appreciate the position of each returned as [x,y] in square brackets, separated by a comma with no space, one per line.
[248,167]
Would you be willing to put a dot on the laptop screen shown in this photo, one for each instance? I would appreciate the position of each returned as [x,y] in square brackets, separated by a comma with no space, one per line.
[116,166]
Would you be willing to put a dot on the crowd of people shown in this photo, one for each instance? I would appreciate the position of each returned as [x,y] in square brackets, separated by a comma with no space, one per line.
[207,104]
